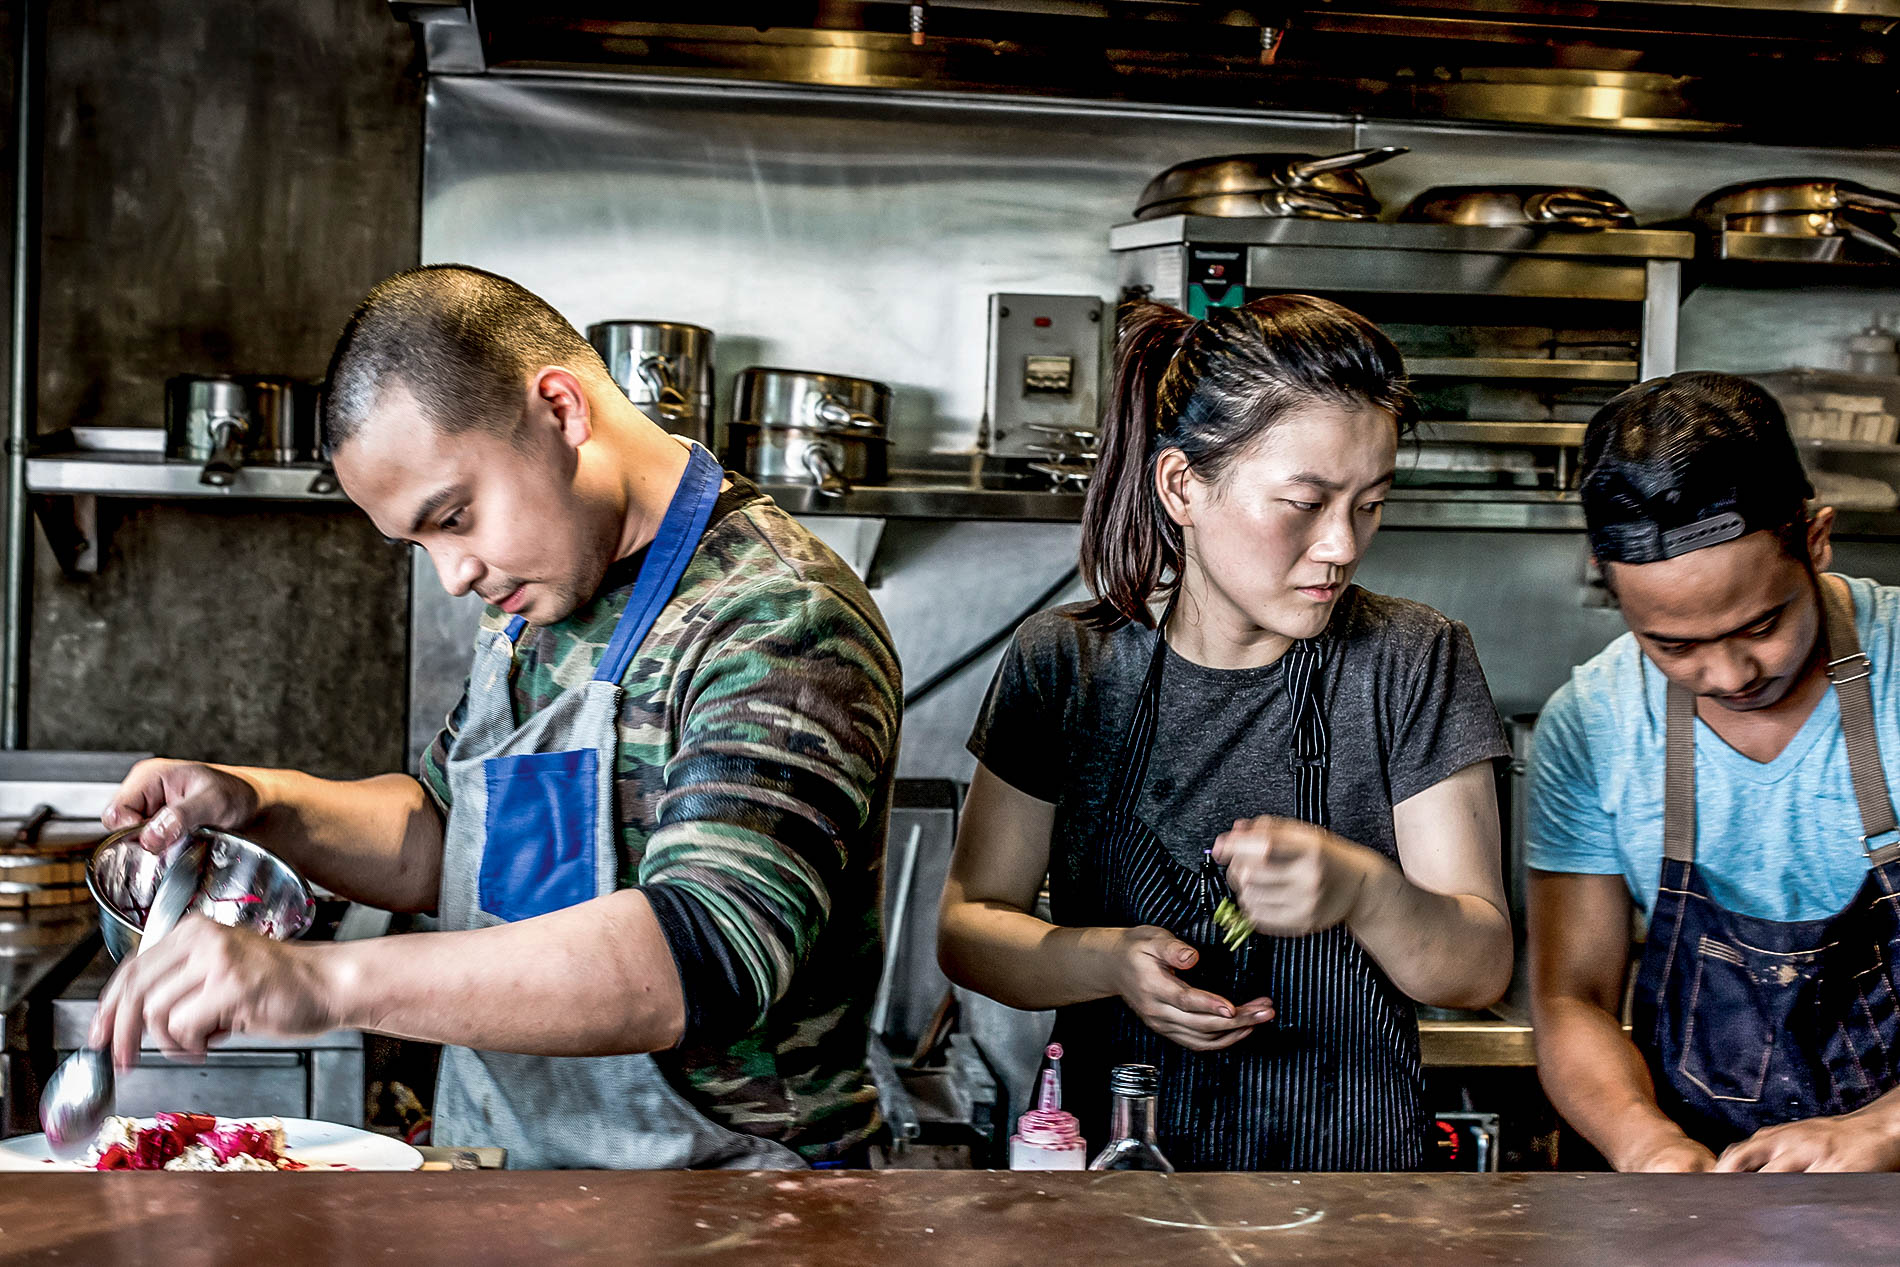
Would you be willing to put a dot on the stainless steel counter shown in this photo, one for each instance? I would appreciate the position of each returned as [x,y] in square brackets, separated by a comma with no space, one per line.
[36,946]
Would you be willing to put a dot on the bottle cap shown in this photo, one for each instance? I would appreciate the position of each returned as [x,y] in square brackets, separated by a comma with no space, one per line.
[1134,1080]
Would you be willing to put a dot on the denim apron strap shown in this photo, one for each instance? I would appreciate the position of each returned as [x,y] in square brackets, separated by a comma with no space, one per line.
[1849,669]
[667,557]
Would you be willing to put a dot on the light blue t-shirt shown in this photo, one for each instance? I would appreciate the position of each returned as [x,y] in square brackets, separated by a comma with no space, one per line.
[1779,840]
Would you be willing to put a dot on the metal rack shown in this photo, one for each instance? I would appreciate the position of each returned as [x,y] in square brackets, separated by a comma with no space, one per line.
[1513,335]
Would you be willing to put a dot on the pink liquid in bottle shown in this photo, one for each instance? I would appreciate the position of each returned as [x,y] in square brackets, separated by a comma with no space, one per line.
[1047,1138]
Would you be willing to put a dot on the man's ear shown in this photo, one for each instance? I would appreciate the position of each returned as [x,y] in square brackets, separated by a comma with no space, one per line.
[556,395]
[1821,538]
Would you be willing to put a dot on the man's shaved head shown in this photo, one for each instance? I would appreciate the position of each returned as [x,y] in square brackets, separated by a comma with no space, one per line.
[462,343]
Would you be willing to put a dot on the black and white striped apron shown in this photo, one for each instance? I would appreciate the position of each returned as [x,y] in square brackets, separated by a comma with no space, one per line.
[1334,1082]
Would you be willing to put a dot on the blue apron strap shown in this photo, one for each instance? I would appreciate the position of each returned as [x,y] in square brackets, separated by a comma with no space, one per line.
[672,548]
[515,626]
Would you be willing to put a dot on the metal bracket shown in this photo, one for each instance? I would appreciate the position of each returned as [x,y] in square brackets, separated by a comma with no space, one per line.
[448,33]
[71,525]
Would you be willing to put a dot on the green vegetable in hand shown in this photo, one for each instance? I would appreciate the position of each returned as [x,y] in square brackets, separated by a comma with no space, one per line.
[1237,927]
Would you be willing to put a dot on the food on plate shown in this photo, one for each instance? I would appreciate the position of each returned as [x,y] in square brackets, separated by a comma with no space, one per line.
[190,1141]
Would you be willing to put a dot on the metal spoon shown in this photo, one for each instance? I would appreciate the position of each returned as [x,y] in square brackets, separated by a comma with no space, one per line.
[79,1094]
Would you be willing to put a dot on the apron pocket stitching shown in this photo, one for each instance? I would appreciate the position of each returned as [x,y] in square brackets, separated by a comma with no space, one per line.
[1684,1062]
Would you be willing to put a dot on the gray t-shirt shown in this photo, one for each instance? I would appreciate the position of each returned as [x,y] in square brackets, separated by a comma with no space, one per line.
[1406,707]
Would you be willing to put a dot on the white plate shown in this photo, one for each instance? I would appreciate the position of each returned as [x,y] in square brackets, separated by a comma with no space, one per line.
[318,1145]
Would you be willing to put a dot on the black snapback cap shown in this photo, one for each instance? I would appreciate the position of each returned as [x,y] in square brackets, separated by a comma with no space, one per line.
[1681,463]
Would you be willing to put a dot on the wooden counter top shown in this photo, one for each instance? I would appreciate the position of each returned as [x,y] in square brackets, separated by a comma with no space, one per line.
[969,1219]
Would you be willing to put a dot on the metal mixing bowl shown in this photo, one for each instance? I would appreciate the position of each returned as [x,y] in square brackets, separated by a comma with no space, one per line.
[244,886]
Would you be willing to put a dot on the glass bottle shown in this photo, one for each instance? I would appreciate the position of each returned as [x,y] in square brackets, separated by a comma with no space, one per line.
[1132,1124]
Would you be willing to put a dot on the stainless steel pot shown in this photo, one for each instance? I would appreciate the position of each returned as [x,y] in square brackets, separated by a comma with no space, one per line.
[828,459]
[1558,206]
[1805,207]
[225,420]
[802,425]
[666,368]
[1299,186]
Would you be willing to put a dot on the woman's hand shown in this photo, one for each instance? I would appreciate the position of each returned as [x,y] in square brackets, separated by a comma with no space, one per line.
[1147,979]
[1291,878]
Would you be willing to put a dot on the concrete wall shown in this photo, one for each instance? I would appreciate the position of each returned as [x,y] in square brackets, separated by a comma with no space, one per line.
[223,180]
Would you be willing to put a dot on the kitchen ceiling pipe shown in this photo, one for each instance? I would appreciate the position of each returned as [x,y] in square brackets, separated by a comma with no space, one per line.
[23,368]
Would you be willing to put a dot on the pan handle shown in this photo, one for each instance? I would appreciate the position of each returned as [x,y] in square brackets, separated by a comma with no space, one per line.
[1868,200]
[656,372]
[1293,203]
[833,412]
[1301,172]
[1581,210]
[1868,237]
[826,475]
[227,456]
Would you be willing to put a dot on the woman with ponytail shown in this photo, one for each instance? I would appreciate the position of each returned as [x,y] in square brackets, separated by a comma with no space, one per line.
[1263,797]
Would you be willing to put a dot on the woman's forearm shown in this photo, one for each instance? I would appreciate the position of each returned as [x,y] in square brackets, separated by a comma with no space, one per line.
[1442,949]
[1025,962]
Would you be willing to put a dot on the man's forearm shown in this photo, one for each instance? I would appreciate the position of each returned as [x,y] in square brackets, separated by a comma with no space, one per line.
[1444,950]
[595,979]
[376,840]
[1598,1081]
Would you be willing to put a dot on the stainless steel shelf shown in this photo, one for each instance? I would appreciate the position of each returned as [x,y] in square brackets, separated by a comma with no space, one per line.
[931,498]
[110,473]
[1536,369]
[1569,434]
[1619,244]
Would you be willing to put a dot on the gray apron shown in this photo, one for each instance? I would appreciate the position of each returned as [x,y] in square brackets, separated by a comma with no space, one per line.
[532,829]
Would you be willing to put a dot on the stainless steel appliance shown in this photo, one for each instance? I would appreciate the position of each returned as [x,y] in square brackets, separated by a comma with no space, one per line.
[1044,395]
[1513,335]
[1298,186]
[666,368]
[802,426]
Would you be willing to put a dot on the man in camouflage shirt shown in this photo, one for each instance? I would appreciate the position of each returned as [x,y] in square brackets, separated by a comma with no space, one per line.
[733,932]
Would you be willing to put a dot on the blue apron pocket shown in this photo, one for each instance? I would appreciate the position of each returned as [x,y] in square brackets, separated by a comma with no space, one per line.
[538,846]
[1726,1040]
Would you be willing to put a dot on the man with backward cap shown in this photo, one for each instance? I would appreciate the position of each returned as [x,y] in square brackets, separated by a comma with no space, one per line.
[1725,768]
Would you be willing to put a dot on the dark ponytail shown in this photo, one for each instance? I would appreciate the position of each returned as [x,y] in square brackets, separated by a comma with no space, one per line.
[1124,537]
[1211,388]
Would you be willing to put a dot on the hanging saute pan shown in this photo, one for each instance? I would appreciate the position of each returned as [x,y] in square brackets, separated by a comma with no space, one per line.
[1300,186]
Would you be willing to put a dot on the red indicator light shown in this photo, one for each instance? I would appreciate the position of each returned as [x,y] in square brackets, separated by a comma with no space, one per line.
[1043,323]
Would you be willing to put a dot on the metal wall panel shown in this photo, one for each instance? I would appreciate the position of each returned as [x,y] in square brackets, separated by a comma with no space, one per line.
[863,234]
[223,181]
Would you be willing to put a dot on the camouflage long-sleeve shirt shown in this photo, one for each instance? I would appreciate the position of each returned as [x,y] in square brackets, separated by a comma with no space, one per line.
[758,734]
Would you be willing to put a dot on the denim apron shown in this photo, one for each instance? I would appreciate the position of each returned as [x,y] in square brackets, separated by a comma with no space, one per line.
[1747,1022]
[532,829]
[1333,1082]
